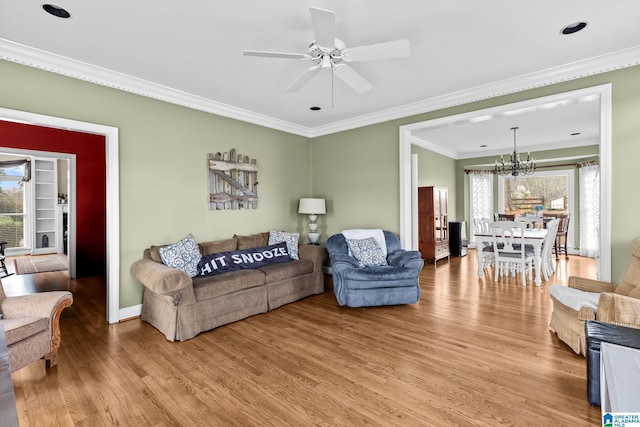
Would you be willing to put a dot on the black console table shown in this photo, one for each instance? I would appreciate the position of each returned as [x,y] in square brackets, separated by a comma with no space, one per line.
[9,417]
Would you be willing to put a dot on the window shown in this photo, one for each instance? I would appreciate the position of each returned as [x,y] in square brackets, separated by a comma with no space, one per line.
[12,204]
[548,192]
[480,198]
[529,194]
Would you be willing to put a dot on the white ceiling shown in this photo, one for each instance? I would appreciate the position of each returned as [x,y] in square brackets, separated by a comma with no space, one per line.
[190,53]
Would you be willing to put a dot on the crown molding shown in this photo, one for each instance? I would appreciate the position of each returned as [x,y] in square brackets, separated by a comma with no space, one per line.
[25,55]
[601,64]
[36,58]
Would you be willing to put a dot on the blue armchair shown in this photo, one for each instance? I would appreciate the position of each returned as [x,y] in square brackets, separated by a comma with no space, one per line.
[392,284]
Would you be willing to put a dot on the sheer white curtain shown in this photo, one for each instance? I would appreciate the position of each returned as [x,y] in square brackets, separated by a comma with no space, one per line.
[480,198]
[590,210]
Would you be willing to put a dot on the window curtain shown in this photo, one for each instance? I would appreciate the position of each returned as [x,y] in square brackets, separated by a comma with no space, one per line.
[13,163]
[589,178]
[481,198]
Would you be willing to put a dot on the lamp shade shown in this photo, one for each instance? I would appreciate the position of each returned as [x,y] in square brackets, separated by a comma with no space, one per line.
[312,206]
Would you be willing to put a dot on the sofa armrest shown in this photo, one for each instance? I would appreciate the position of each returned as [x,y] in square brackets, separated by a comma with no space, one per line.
[44,304]
[159,278]
[314,253]
[409,259]
[590,285]
[619,309]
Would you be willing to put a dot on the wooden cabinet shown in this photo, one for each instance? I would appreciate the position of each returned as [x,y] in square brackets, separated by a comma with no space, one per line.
[433,223]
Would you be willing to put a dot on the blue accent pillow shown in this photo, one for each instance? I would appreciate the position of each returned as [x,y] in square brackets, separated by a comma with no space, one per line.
[367,252]
[223,262]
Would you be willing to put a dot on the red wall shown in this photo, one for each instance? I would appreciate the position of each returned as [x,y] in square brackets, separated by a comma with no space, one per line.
[91,208]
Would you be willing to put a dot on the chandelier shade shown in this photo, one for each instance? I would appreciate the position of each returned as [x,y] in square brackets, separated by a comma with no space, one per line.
[515,166]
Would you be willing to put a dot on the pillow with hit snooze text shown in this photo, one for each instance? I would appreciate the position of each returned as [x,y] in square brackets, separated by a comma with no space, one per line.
[223,262]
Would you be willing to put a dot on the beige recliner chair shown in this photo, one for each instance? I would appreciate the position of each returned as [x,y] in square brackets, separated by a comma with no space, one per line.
[586,299]
[32,326]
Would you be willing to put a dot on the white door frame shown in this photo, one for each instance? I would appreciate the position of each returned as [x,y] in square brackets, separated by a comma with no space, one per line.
[113,193]
[603,92]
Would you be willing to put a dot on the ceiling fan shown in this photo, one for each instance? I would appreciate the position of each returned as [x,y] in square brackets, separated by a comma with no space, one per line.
[329,53]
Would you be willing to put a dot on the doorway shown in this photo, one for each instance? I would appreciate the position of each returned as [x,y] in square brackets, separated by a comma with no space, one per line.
[109,136]
[600,94]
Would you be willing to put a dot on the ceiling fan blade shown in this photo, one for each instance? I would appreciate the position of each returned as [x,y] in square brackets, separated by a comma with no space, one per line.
[352,78]
[393,49]
[324,27]
[284,55]
[303,79]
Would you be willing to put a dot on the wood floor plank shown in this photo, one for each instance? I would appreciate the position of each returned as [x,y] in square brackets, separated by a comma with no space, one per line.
[470,352]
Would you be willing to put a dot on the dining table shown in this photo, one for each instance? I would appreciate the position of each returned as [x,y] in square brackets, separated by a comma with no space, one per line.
[534,237]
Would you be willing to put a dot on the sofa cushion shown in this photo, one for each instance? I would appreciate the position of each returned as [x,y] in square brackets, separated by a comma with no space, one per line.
[222,284]
[252,241]
[363,277]
[624,288]
[154,251]
[277,272]
[21,328]
[223,262]
[218,246]
[291,239]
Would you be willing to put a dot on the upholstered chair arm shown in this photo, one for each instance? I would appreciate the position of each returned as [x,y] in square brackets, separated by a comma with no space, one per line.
[316,254]
[619,309]
[409,259]
[590,285]
[44,304]
[161,279]
[340,262]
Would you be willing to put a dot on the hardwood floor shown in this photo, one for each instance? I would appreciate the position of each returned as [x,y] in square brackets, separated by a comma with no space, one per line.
[470,352]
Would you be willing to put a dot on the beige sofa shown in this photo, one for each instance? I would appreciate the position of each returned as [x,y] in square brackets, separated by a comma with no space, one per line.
[182,307]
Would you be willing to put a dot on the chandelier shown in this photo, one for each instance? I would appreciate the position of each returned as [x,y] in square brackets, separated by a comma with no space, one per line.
[515,166]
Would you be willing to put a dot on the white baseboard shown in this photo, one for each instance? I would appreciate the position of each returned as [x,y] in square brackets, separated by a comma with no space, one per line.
[129,312]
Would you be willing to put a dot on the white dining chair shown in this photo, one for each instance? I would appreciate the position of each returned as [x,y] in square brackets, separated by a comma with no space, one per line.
[548,265]
[510,251]
[481,226]
[531,221]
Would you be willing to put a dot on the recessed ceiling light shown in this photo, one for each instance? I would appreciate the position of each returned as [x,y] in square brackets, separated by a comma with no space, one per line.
[573,28]
[315,108]
[575,133]
[56,11]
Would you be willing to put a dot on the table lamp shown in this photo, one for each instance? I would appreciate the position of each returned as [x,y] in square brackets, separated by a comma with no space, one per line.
[313,208]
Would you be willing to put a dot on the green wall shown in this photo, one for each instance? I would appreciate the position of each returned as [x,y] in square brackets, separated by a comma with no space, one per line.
[377,147]
[163,163]
[163,151]
[436,169]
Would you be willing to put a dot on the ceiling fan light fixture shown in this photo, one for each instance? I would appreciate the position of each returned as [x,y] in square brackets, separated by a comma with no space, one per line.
[56,11]
[573,28]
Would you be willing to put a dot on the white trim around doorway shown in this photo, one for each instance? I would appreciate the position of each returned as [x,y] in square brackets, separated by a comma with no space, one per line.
[408,224]
[113,193]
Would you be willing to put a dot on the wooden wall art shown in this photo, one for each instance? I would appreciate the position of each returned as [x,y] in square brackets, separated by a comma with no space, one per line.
[233,181]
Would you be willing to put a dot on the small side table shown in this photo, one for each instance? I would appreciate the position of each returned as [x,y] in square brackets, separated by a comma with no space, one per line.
[9,417]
